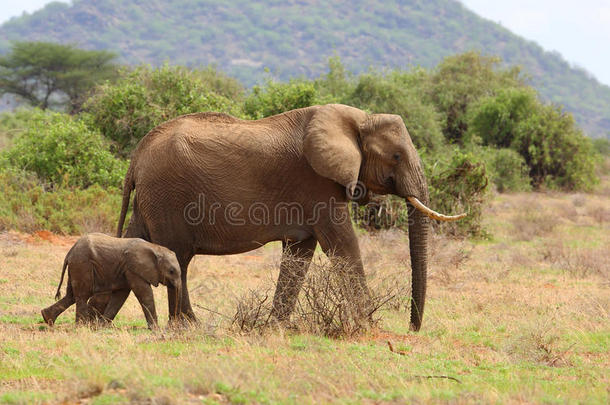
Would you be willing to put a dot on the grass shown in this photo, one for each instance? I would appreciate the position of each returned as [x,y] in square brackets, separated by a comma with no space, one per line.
[521,317]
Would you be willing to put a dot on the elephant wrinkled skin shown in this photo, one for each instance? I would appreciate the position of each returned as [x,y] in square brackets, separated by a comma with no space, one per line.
[210,183]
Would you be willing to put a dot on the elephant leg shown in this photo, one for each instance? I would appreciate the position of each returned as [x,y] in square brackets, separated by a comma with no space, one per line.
[97,305]
[180,306]
[296,258]
[82,310]
[115,304]
[50,313]
[143,292]
[136,227]
[340,244]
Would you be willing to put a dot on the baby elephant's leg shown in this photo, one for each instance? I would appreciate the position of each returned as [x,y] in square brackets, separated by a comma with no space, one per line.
[50,314]
[144,294]
[82,310]
[115,304]
[97,305]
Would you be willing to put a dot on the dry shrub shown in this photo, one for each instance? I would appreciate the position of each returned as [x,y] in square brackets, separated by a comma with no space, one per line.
[330,302]
[577,262]
[532,223]
[540,345]
[599,214]
[253,311]
[520,258]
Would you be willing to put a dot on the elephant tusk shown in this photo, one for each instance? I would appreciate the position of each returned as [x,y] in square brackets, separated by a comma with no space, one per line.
[433,214]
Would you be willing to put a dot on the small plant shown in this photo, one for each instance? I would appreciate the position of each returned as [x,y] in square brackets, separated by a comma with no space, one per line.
[540,345]
[253,312]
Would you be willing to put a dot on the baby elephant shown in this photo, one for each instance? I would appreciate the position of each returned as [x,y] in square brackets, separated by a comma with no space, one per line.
[99,263]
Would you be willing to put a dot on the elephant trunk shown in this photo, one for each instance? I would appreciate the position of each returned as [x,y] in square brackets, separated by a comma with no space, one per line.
[419,233]
[418,244]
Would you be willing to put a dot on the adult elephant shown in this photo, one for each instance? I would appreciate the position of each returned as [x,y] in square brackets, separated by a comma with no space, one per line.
[210,183]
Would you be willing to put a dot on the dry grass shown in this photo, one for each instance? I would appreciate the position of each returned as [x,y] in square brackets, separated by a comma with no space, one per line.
[577,261]
[532,223]
[520,318]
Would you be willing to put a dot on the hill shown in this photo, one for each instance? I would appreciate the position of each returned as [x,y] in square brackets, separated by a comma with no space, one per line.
[296,37]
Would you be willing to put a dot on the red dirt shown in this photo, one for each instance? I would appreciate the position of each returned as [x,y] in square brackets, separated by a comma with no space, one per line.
[50,237]
[36,238]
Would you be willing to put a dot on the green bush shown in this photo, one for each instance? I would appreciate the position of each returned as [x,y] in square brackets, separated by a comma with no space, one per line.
[457,181]
[556,152]
[381,212]
[506,169]
[221,84]
[394,93]
[494,120]
[144,98]
[336,85]
[11,123]
[602,146]
[275,98]
[27,206]
[62,150]
[459,81]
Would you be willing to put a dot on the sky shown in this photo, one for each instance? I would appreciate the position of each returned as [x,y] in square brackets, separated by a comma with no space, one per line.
[578,30]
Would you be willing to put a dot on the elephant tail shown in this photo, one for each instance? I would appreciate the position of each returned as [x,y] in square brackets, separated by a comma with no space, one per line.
[63,272]
[127,187]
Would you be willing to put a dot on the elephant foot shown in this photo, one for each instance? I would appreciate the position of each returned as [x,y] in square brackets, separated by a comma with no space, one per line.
[47,316]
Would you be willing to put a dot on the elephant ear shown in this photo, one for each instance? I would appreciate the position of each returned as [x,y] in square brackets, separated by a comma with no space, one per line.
[143,261]
[331,143]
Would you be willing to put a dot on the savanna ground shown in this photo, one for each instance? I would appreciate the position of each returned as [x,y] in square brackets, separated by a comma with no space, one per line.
[521,317]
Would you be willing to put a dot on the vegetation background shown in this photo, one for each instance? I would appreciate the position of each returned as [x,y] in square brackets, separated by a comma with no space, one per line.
[296,38]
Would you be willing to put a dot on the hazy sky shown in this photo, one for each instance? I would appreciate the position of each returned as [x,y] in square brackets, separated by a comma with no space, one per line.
[579,30]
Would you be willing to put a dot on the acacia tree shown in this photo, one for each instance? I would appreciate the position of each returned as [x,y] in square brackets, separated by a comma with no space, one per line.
[46,73]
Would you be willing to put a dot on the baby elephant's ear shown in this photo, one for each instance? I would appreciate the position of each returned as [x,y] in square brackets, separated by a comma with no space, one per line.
[143,260]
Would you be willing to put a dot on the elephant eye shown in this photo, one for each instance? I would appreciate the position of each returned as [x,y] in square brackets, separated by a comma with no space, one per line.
[396,156]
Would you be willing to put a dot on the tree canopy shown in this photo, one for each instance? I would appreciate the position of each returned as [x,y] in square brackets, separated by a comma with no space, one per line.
[47,74]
